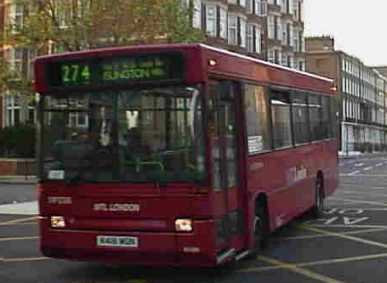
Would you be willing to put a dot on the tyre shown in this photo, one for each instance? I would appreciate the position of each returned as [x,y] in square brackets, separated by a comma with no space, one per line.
[261,225]
[319,204]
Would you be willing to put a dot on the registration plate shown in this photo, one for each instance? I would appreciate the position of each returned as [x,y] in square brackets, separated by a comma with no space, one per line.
[117,241]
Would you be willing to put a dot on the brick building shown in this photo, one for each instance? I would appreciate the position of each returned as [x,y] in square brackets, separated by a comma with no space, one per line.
[362,90]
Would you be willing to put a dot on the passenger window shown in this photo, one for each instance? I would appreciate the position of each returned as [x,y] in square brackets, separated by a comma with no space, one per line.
[326,127]
[315,117]
[257,119]
[300,119]
[282,130]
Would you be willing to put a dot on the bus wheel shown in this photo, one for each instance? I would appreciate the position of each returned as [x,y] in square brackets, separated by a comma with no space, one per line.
[260,226]
[319,204]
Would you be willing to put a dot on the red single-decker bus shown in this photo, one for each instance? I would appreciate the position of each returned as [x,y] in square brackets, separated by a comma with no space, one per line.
[178,155]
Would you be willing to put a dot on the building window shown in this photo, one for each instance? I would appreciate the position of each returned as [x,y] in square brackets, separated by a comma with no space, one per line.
[277,56]
[30,71]
[15,59]
[13,110]
[290,62]
[270,55]
[242,32]
[31,115]
[16,17]
[271,27]
[211,22]
[250,38]
[232,29]
[197,14]
[277,28]
[242,3]
[250,6]
[223,23]
[301,65]
[284,60]
[253,39]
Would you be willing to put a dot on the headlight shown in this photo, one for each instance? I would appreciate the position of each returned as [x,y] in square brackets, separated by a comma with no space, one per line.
[58,222]
[183,225]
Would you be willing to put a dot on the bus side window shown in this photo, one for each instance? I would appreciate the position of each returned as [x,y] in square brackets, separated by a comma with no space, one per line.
[281,120]
[300,118]
[314,104]
[257,119]
[326,128]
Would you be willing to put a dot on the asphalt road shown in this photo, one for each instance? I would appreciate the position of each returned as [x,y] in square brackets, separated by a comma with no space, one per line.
[16,193]
[348,244]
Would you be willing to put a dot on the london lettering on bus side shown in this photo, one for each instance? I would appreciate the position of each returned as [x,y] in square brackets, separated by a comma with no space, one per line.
[125,207]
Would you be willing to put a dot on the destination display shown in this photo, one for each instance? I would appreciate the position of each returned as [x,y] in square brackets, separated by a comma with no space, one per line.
[115,70]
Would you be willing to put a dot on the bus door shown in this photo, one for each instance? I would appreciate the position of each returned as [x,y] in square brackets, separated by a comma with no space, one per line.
[223,131]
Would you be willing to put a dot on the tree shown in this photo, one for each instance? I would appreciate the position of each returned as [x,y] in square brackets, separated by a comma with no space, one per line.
[68,25]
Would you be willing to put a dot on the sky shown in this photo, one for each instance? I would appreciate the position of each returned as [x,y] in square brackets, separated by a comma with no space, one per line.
[359,27]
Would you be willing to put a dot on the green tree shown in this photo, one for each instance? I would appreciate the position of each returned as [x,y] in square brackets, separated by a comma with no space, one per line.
[69,25]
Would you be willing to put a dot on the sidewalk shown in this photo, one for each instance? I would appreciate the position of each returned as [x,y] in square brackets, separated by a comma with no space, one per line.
[18,180]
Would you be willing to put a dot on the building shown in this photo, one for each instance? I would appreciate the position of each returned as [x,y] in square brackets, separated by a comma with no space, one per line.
[271,30]
[363,95]
[382,70]
[15,109]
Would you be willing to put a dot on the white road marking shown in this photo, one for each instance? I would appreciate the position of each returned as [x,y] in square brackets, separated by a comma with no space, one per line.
[349,226]
[363,175]
[379,164]
[24,208]
[351,174]
[359,164]
[360,201]
[364,193]
[368,168]
[344,186]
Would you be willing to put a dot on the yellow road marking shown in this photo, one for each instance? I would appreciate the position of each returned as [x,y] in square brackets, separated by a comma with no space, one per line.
[296,269]
[323,235]
[22,259]
[345,259]
[18,220]
[18,238]
[320,262]
[340,235]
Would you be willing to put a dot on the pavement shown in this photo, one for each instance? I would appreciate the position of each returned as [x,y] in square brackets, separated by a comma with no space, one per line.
[347,245]
[18,180]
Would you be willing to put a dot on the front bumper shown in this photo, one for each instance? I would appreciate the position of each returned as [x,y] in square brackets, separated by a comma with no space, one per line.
[154,248]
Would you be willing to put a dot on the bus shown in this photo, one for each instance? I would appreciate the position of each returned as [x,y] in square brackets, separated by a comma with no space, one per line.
[177,155]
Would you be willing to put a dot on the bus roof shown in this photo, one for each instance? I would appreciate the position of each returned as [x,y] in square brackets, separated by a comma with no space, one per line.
[111,51]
